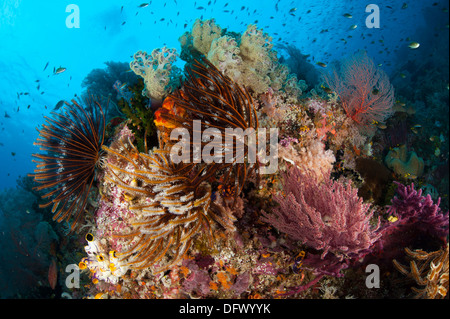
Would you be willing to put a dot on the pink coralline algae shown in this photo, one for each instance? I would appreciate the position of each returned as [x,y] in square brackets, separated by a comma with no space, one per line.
[328,217]
[112,218]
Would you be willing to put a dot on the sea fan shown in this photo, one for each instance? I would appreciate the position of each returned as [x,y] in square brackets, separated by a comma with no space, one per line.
[72,140]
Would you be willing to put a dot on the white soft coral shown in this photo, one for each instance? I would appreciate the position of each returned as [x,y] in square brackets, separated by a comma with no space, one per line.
[156,69]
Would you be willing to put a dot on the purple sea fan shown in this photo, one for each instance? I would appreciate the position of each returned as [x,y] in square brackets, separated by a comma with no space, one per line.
[421,224]
[411,206]
[327,216]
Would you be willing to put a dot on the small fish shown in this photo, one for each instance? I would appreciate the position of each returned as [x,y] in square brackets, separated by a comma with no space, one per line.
[414,45]
[200,8]
[414,130]
[417,126]
[53,274]
[46,66]
[58,105]
[375,91]
[7,115]
[292,10]
[348,15]
[13,153]
[382,126]
[326,89]
[143,5]
[323,65]
[123,23]
[433,138]
[59,70]
[121,9]
[392,219]
[402,75]
[405,5]
[353,27]
[28,106]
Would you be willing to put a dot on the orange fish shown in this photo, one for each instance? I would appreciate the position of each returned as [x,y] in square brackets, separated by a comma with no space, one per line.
[53,274]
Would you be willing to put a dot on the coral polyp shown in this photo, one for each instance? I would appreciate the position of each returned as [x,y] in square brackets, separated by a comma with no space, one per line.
[72,141]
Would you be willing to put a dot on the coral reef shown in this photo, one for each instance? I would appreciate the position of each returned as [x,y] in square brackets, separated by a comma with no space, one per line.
[160,214]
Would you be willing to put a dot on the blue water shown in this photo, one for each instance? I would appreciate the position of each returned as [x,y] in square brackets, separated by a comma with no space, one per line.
[34,33]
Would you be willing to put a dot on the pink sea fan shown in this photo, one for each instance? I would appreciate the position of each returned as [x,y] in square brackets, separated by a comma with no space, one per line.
[327,216]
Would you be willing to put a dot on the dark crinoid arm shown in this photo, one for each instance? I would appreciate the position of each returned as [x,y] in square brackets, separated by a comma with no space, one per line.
[71,141]
[218,103]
